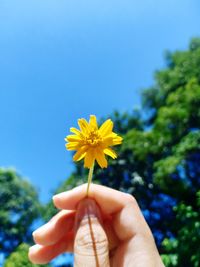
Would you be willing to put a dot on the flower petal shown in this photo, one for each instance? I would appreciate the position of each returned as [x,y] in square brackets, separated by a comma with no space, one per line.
[74,130]
[93,122]
[89,159]
[117,140]
[100,157]
[84,126]
[106,128]
[73,138]
[110,152]
[72,146]
[107,141]
[80,154]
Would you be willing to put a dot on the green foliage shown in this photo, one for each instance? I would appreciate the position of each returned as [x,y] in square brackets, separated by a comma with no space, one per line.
[184,250]
[19,258]
[19,208]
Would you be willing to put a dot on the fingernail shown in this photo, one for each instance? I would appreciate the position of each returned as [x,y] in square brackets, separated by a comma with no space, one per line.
[87,208]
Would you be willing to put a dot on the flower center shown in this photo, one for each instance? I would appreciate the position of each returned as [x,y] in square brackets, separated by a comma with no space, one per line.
[93,138]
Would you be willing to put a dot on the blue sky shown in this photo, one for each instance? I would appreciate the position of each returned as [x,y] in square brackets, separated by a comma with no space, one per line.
[65,59]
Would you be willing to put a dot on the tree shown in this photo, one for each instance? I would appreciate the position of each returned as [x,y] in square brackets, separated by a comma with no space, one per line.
[19,258]
[19,208]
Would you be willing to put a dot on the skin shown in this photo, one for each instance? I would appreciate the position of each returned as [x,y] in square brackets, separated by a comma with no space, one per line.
[105,229]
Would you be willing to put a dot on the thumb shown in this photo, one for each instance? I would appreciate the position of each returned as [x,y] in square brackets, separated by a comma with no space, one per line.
[91,243]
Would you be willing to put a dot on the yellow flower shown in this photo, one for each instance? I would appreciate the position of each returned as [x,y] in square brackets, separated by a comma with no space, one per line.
[92,143]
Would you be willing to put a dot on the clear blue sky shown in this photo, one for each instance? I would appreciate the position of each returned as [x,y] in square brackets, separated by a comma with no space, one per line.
[65,59]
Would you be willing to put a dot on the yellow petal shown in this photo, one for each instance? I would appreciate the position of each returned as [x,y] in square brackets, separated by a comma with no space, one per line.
[74,130]
[107,141]
[117,140]
[113,135]
[72,146]
[89,159]
[100,157]
[93,122]
[110,152]
[84,126]
[106,128]
[80,154]
[73,138]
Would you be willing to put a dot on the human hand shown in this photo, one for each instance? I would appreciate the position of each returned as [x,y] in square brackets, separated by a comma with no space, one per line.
[106,229]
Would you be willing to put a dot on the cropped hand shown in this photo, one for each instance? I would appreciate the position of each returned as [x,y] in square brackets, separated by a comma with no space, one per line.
[106,229]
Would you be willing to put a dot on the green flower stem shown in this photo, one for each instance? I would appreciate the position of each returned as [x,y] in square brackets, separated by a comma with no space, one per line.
[90,178]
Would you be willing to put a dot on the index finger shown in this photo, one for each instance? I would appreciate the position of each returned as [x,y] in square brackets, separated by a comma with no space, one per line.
[109,200]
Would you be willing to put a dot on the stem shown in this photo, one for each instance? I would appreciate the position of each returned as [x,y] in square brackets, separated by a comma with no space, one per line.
[90,178]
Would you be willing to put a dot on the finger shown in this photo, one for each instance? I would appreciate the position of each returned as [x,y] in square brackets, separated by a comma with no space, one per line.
[90,244]
[55,229]
[130,222]
[39,254]
[109,200]
[137,244]
[113,240]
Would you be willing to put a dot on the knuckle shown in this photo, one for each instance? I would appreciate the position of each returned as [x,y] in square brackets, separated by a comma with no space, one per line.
[131,199]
